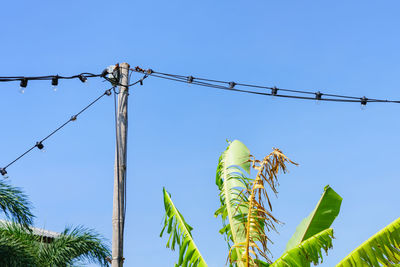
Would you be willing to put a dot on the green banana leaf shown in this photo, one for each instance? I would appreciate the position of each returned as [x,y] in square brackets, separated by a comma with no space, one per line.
[309,251]
[180,232]
[321,218]
[382,249]
[231,179]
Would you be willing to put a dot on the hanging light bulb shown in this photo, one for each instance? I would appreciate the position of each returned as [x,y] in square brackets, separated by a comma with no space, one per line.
[3,171]
[318,97]
[23,84]
[364,102]
[82,78]
[274,92]
[54,83]
[39,145]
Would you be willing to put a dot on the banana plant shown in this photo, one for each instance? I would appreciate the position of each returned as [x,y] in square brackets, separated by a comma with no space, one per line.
[381,249]
[307,251]
[246,220]
[189,255]
[232,180]
[258,220]
[320,218]
[180,233]
[312,235]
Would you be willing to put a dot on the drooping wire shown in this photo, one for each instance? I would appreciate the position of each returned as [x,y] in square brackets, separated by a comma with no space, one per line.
[233,86]
[40,145]
[81,76]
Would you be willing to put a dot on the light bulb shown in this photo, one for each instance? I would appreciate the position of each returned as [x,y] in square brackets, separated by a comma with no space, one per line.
[318,97]
[364,102]
[22,90]
[54,82]
[83,78]
[274,92]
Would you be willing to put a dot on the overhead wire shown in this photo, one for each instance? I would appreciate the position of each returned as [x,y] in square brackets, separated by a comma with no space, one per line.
[204,82]
[232,86]
[82,75]
[39,144]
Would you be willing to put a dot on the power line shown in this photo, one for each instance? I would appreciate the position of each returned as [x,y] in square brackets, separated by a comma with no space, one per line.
[233,86]
[39,144]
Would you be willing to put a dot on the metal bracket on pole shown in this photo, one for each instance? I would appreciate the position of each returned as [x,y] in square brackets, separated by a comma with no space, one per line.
[113,75]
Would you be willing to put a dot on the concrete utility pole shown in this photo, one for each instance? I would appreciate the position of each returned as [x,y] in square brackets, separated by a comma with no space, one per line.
[118,218]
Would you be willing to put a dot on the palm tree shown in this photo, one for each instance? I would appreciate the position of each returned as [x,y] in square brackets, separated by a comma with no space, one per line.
[30,248]
[246,220]
[20,245]
[15,204]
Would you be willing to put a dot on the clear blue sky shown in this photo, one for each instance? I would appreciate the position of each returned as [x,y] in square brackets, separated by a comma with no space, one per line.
[176,131]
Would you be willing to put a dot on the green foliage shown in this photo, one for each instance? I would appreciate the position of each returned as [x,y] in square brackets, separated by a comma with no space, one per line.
[312,236]
[15,204]
[231,179]
[74,245]
[321,218]
[16,246]
[180,234]
[382,249]
[20,247]
[307,251]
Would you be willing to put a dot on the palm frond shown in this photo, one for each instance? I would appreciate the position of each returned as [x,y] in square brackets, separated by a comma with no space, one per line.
[309,251]
[259,220]
[74,245]
[71,246]
[382,249]
[15,204]
[16,246]
[231,179]
[180,234]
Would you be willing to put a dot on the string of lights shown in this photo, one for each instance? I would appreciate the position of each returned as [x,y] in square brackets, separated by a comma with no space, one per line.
[272,91]
[39,144]
[83,77]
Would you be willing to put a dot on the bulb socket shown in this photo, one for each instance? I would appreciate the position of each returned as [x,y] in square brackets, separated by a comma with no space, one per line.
[364,101]
[274,91]
[54,81]
[24,83]
[39,145]
[318,95]
[82,78]
[3,171]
